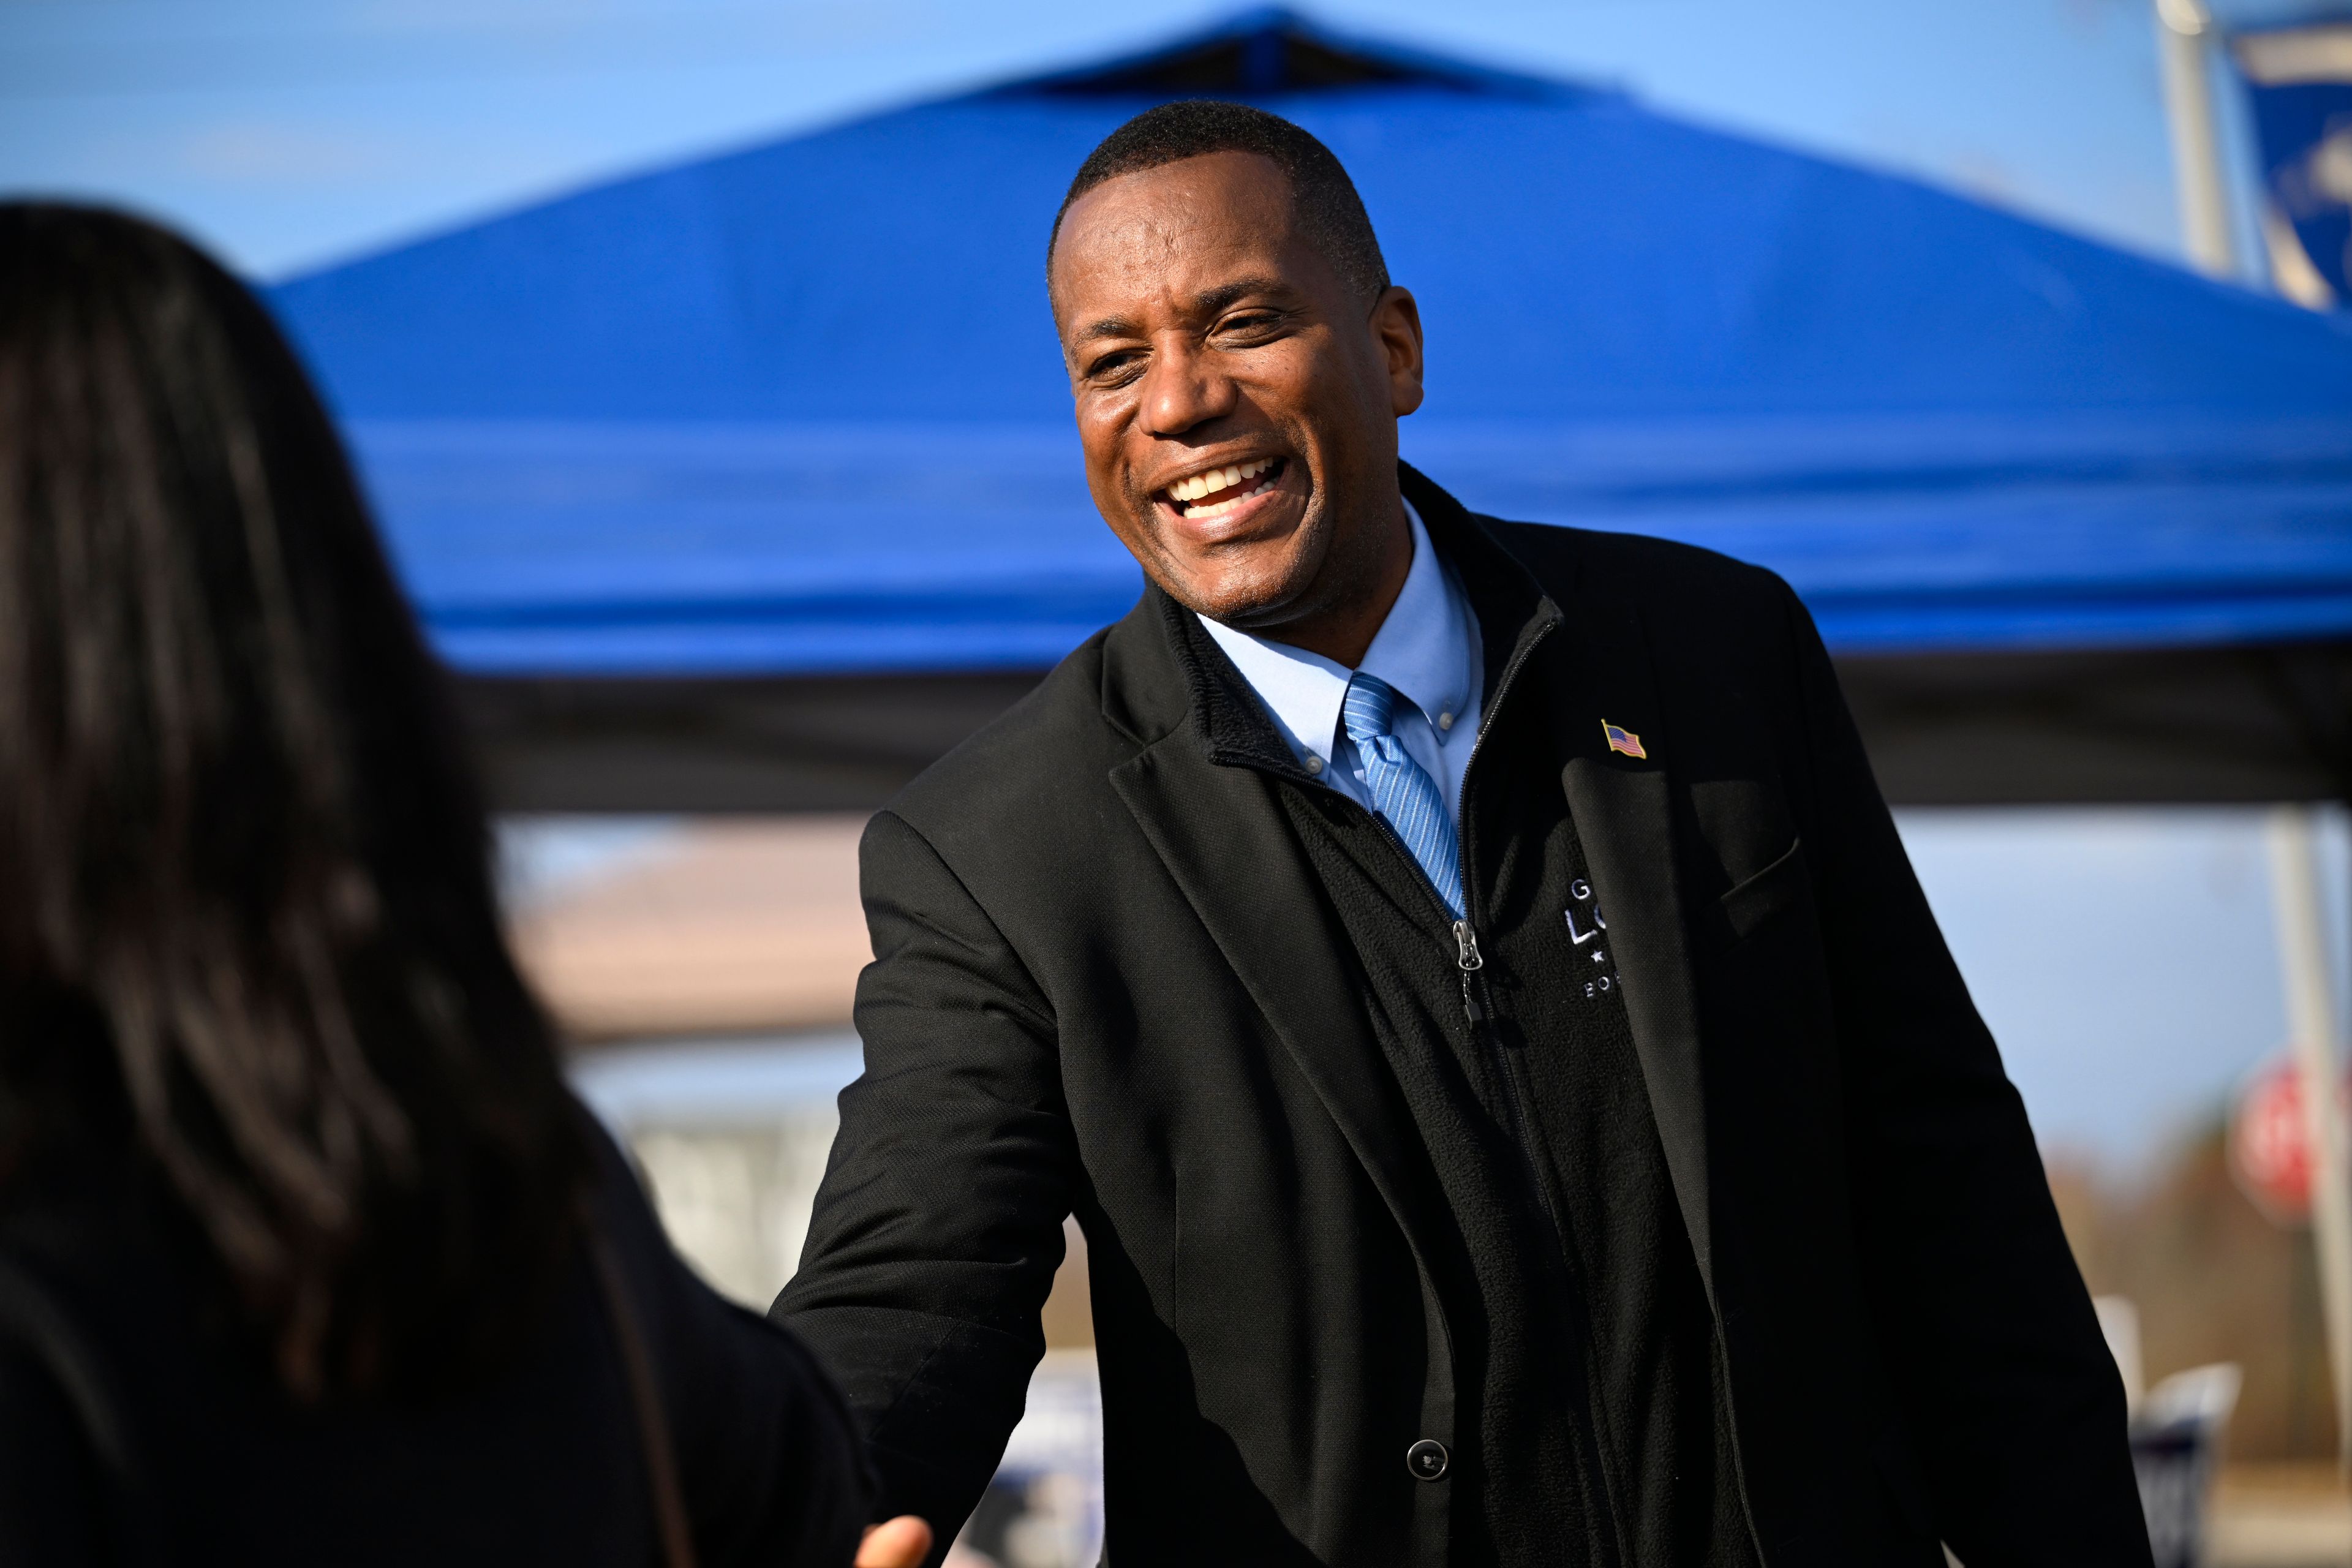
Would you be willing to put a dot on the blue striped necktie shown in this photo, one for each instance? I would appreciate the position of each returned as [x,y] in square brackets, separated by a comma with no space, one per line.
[1402,789]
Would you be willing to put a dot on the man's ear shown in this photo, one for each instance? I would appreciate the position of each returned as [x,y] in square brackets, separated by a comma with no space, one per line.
[1396,333]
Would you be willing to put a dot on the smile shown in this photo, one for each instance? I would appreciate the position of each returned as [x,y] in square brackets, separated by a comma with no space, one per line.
[1219,491]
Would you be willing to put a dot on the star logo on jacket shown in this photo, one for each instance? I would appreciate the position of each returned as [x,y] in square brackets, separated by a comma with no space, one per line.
[1623,740]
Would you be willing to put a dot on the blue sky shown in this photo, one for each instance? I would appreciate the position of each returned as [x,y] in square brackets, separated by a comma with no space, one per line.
[290,131]
[2125,960]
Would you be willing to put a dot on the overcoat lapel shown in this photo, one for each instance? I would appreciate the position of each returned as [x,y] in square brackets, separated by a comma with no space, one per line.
[1201,794]
[1227,843]
[1622,812]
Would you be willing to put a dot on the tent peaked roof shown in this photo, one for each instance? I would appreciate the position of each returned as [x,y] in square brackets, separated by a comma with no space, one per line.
[800,408]
[1273,51]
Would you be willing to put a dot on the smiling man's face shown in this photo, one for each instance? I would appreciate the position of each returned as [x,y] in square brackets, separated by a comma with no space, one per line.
[1236,401]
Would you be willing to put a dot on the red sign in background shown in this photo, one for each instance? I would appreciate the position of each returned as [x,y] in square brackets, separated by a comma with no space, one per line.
[2270,1141]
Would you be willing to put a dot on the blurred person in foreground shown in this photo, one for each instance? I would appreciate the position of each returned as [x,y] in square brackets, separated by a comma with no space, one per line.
[307,1254]
[1465,981]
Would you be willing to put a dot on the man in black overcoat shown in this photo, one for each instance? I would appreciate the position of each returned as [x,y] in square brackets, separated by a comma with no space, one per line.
[1464,980]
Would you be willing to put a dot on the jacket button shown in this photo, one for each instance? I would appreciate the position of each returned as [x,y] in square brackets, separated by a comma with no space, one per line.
[1427,1459]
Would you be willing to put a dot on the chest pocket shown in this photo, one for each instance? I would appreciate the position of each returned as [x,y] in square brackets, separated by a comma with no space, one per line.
[1763,977]
[1756,901]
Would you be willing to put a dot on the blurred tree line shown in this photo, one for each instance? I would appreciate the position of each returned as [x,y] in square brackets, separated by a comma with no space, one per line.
[2214,1279]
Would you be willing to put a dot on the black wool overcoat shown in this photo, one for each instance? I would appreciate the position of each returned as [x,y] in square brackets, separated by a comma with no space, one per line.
[1106,982]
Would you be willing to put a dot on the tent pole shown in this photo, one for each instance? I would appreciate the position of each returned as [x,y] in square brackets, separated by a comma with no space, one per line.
[2311,1019]
[2184,34]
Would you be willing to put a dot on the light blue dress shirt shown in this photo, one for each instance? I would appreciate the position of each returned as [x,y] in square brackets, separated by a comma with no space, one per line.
[1428,649]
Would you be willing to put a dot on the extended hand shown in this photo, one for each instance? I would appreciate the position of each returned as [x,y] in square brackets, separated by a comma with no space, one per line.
[901,1542]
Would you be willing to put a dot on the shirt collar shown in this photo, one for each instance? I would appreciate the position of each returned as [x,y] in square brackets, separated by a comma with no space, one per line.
[1427,649]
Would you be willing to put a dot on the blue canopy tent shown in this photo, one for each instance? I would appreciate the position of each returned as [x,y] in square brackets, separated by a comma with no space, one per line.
[751,482]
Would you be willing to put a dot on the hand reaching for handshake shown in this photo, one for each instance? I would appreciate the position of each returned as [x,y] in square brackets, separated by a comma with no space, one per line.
[901,1542]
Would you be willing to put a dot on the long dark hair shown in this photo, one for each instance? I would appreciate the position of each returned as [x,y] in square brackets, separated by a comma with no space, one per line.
[245,885]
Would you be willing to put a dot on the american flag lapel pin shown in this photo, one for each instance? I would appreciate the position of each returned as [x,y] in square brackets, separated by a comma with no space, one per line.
[1623,740]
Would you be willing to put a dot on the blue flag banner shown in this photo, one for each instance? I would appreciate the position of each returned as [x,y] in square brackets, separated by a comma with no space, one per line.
[2300,82]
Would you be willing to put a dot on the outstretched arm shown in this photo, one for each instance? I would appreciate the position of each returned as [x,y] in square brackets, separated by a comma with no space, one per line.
[938,1224]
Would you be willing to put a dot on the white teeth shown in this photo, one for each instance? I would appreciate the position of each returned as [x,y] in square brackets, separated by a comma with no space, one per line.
[1199,485]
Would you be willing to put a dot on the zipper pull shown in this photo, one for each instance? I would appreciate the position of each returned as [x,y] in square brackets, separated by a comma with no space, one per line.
[1471,1009]
[1466,943]
[1465,949]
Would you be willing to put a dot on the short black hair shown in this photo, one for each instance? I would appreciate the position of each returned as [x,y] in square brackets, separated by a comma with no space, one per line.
[1330,213]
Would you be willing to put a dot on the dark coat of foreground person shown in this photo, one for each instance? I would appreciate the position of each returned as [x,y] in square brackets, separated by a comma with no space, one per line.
[308,1256]
[1113,977]
[541,1462]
